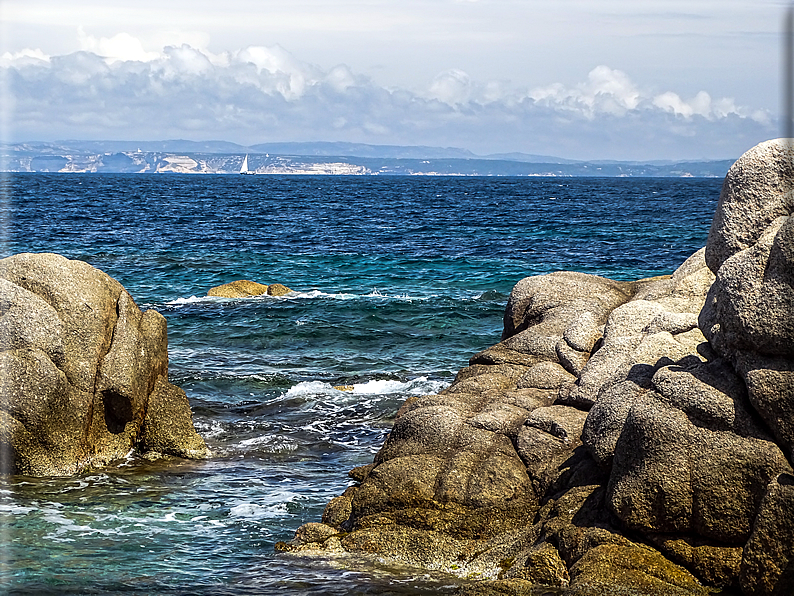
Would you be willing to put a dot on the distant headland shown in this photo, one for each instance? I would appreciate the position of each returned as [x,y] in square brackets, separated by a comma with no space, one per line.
[321,158]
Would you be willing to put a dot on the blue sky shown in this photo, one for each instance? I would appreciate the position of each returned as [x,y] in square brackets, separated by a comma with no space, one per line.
[614,79]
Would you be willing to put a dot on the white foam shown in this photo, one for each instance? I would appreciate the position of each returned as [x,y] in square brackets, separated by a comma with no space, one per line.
[255,441]
[128,460]
[380,387]
[209,430]
[270,443]
[64,526]
[216,299]
[191,300]
[309,388]
[418,386]
[254,511]
[276,507]
[376,293]
[296,295]
[16,509]
[318,294]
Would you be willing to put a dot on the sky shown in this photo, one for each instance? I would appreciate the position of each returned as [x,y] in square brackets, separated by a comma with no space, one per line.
[580,79]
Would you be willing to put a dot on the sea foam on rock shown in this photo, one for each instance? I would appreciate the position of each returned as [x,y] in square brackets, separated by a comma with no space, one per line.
[84,372]
[622,438]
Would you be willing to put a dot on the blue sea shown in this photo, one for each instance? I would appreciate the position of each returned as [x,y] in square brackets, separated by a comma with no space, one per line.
[397,280]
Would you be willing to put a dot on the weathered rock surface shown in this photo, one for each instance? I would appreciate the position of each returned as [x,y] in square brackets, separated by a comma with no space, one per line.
[690,460]
[278,290]
[768,562]
[621,438]
[84,372]
[749,315]
[243,288]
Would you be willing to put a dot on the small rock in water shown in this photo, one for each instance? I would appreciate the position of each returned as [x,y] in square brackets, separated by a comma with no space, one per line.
[238,289]
[344,387]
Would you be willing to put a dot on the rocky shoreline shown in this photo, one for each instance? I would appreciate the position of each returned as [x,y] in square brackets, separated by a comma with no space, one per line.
[631,438]
[622,438]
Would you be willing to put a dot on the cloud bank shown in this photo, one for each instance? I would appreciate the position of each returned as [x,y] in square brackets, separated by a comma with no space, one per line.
[114,89]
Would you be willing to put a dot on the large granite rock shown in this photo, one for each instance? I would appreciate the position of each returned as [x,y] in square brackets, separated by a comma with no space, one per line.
[622,437]
[691,459]
[749,315]
[749,320]
[84,372]
[657,326]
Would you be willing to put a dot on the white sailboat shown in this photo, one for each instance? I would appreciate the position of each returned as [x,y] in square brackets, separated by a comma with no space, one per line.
[244,168]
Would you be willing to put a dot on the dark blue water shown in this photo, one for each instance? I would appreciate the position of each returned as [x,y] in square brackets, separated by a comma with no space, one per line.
[398,282]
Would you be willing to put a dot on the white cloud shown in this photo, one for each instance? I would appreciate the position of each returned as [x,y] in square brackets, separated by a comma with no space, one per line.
[453,87]
[120,47]
[24,57]
[671,102]
[292,76]
[606,91]
[264,93]
[340,78]
[182,63]
[704,106]
[728,48]
[605,82]
[612,92]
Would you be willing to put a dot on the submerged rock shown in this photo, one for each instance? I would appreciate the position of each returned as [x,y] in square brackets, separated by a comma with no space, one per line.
[622,437]
[84,372]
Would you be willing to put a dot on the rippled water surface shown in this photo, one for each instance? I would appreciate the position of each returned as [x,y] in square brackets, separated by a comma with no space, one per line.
[398,281]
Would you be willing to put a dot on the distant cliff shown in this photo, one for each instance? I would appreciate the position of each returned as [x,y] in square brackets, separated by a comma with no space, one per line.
[184,157]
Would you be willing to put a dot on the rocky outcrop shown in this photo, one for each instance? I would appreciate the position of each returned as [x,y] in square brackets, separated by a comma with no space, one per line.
[84,372]
[622,437]
[749,320]
[748,316]
[243,288]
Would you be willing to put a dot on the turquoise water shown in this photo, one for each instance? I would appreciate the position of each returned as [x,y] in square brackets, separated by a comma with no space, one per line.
[398,282]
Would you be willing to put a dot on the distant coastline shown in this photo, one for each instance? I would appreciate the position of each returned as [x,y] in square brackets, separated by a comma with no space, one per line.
[347,159]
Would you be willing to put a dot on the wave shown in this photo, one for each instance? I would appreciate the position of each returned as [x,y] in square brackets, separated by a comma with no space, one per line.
[309,295]
[311,413]
[252,511]
[181,376]
[270,444]
[417,386]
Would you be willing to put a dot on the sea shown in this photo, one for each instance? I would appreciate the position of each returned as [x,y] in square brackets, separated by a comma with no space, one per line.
[397,282]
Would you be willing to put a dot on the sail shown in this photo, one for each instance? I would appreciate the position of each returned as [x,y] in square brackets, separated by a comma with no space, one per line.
[244,167]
